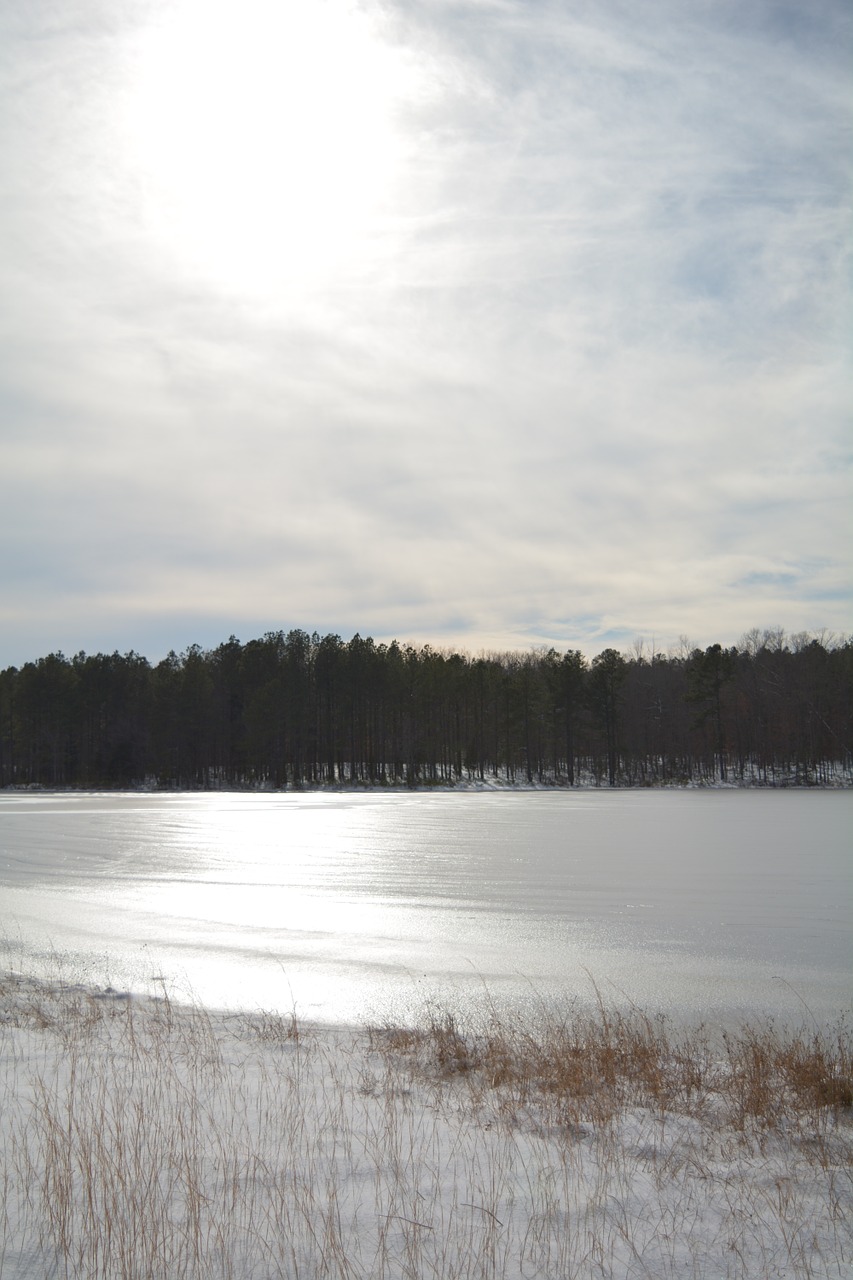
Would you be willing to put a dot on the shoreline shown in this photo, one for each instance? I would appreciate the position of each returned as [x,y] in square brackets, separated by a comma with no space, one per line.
[474,1020]
[463,786]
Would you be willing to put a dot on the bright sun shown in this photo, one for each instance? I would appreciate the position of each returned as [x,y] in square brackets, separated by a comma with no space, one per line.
[262,137]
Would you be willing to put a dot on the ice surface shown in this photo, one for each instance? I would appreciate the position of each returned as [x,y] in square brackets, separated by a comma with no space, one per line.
[707,905]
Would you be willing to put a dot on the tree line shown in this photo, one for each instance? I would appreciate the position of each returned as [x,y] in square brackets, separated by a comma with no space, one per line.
[293,709]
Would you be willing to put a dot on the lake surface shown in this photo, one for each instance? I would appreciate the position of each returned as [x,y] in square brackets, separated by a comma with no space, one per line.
[700,904]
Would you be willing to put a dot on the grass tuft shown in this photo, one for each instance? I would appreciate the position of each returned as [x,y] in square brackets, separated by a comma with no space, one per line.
[595,1066]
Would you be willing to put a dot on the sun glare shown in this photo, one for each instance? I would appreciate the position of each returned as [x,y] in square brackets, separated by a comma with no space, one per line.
[262,138]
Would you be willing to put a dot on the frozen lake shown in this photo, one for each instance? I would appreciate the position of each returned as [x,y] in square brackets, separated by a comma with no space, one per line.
[703,904]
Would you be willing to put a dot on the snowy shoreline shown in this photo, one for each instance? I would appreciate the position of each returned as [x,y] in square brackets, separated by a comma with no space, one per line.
[141,1137]
[841,782]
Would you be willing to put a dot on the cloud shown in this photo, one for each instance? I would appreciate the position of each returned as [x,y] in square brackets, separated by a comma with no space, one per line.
[577,370]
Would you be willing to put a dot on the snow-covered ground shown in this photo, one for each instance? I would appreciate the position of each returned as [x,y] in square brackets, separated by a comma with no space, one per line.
[145,1139]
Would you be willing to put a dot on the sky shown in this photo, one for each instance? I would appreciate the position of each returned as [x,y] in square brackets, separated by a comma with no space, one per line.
[488,324]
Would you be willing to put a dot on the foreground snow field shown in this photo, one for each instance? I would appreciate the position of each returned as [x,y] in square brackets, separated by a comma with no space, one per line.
[143,1139]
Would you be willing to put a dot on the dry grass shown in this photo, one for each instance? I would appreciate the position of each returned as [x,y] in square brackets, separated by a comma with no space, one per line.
[595,1066]
[143,1140]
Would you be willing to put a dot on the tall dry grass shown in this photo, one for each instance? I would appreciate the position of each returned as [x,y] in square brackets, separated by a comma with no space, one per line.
[595,1066]
[146,1140]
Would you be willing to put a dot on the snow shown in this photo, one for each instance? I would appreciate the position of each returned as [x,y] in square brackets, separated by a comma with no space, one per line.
[141,1138]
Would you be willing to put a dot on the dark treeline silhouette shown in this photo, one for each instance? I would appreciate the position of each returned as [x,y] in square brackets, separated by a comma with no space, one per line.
[306,710]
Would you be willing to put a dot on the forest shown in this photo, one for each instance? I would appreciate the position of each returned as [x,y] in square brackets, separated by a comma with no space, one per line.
[299,710]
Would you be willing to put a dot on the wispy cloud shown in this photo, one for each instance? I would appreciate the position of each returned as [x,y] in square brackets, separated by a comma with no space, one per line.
[575,366]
